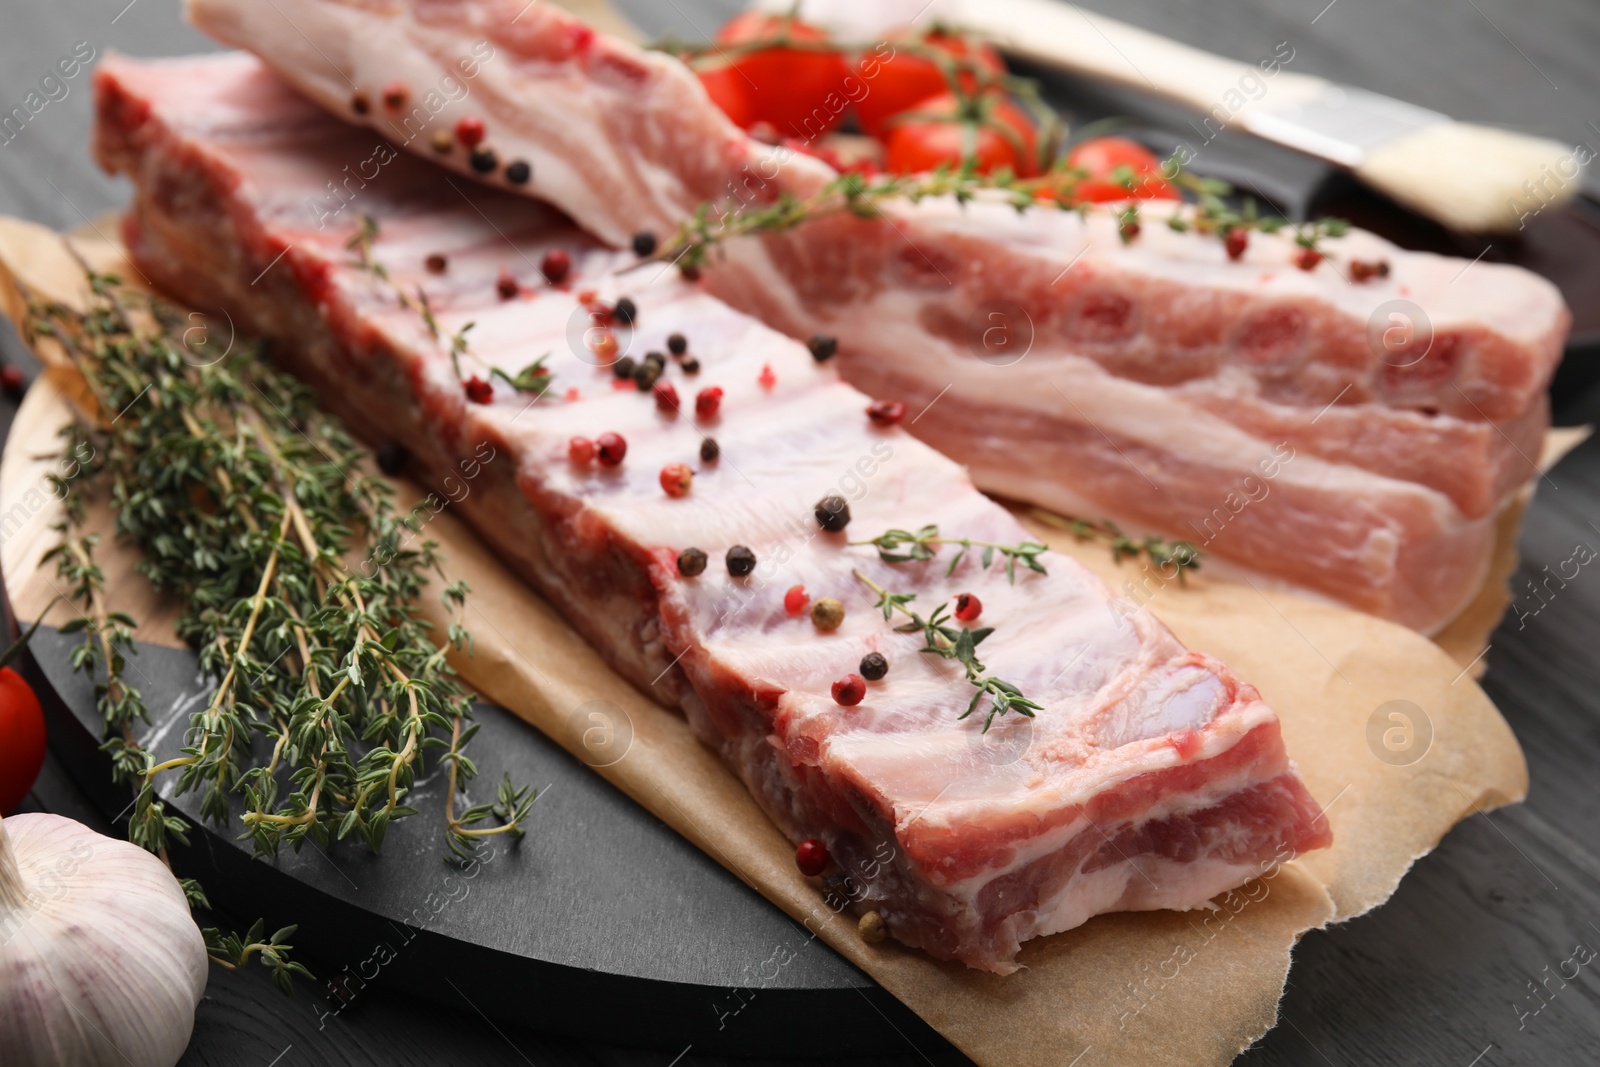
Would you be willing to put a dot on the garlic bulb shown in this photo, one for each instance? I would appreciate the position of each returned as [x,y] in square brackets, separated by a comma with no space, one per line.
[100,961]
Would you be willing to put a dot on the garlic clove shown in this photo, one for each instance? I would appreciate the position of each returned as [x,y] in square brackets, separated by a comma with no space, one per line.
[100,959]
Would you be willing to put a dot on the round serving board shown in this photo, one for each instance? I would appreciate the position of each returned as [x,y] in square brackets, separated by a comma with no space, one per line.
[601,922]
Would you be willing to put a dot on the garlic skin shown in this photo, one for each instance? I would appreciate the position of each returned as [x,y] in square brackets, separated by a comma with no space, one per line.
[100,960]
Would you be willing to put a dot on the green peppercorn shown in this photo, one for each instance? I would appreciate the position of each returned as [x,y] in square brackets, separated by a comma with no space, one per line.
[827,614]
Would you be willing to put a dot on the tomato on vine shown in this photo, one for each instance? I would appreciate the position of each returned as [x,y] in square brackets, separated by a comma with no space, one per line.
[897,84]
[1110,164]
[949,130]
[755,77]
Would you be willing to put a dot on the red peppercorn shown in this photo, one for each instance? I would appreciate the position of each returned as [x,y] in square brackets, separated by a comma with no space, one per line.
[707,401]
[580,450]
[395,95]
[11,379]
[849,690]
[1129,228]
[886,412]
[555,266]
[611,448]
[767,379]
[506,285]
[811,857]
[968,607]
[1235,242]
[470,131]
[676,479]
[666,398]
[1363,271]
[605,348]
[478,391]
[1307,258]
[795,600]
[599,311]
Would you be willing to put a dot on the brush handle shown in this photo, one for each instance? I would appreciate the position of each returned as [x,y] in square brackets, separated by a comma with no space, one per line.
[1065,35]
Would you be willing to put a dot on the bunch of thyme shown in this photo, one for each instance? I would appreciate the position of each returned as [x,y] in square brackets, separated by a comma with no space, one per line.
[1181,556]
[246,501]
[947,642]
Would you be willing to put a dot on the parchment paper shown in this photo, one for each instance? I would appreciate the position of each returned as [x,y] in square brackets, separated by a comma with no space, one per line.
[1150,988]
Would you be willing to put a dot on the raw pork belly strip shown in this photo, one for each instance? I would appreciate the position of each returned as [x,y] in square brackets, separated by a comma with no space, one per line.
[1153,778]
[1389,505]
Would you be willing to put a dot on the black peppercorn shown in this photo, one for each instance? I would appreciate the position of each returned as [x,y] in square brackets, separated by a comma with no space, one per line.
[833,513]
[690,365]
[360,103]
[644,243]
[709,450]
[874,666]
[623,368]
[657,358]
[645,375]
[436,263]
[823,347]
[689,272]
[677,344]
[518,172]
[625,311]
[483,160]
[741,561]
[691,561]
[392,458]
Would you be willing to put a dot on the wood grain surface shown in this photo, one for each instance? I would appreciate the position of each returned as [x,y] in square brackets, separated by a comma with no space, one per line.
[1464,967]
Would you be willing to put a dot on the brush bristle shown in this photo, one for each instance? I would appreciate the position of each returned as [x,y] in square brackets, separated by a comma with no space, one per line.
[1473,178]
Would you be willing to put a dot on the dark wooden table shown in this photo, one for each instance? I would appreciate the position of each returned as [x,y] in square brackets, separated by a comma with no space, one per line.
[1450,971]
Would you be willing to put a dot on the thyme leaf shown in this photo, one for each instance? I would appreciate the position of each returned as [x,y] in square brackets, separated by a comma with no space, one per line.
[904,546]
[1179,556]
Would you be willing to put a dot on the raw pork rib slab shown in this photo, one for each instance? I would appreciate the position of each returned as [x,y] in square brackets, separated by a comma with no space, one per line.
[1161,379]
[1153,778]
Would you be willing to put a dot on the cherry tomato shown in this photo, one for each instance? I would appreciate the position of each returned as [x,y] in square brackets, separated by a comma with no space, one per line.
[787,87]
[903,80]
[1100,159]
[946,129]
[21,739]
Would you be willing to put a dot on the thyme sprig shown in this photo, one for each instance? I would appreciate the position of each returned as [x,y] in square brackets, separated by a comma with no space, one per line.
[246,501]
[904,546]
[1179,556]
[947,642]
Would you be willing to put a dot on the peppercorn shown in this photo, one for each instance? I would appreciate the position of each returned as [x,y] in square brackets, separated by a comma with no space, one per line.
[823,347]
[483,160]
[690,365]
[644,243]
[612,448]
[645,375]
[767,379]
[886,412]
[872,928]
[677,344]
[555,266]
[436,263]
[827,614]
[795,600]
[580,450]
[709,450]
[707,402]
[394,95]
[624,367]
[968,607]
[849,690]
[691,562]
[518,172]
[833,513]
[1235,241]
[811,857]
[666,398]
[470,131]
[442,142]
[506,285]
[360,103]
[478,391]
[741,561]
[1361,270]
[392,458]
[1307,258]
[676,479]
[657,358]
[605,348]
[1129,229]
[625,311]
[874,666]
[689,272]
[12,381]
